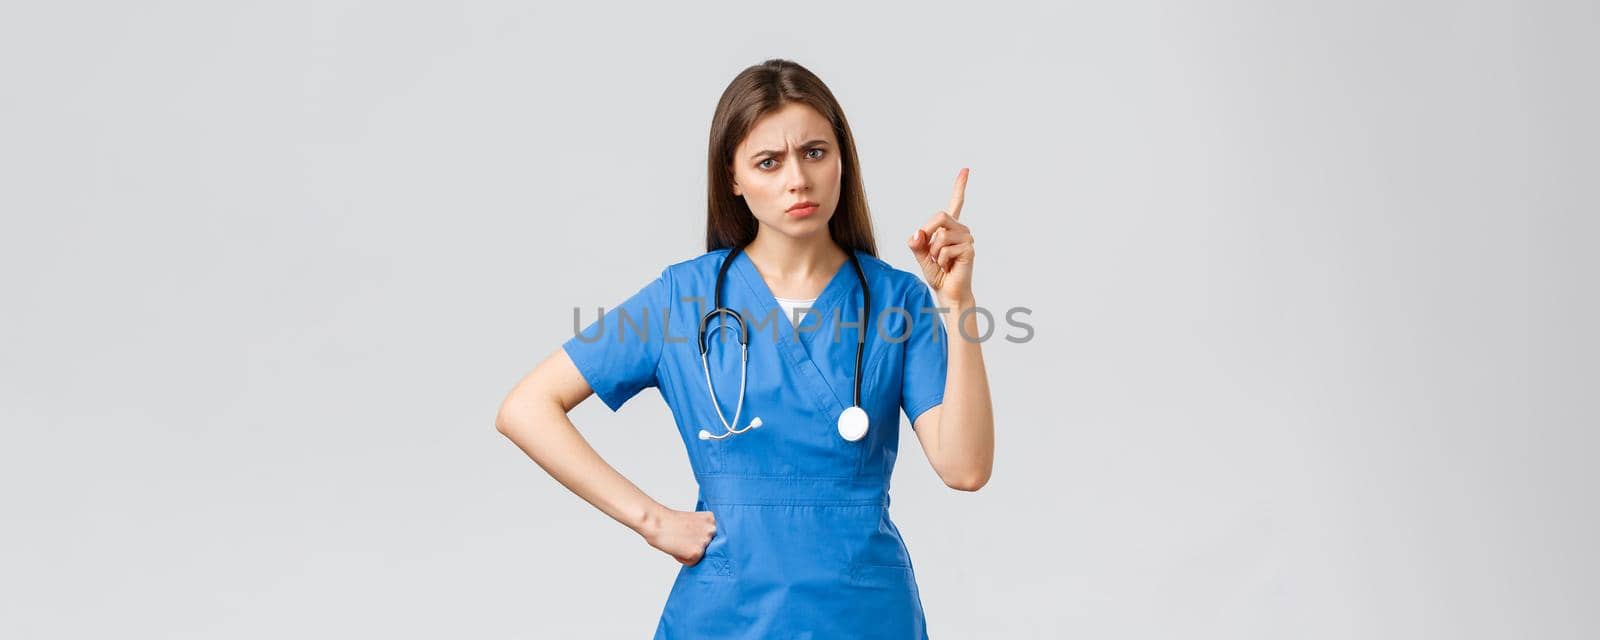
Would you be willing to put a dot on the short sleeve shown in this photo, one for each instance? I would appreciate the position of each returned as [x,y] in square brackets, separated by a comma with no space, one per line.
[923,369]
[618,352]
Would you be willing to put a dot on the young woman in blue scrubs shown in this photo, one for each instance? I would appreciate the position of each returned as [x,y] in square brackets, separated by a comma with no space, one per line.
[790,536]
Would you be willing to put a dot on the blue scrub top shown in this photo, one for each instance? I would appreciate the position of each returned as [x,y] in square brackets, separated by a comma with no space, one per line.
[804,544]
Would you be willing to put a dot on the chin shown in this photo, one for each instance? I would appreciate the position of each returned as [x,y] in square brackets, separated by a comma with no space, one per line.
[806,228]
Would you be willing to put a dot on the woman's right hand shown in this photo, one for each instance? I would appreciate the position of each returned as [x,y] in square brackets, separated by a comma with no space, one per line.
[683,535]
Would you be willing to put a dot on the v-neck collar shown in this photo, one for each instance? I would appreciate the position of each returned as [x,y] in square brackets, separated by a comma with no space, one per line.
[796,350]
[837,286]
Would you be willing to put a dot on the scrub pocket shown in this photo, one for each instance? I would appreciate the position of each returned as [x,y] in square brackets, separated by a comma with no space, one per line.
[715,565]
[882,561]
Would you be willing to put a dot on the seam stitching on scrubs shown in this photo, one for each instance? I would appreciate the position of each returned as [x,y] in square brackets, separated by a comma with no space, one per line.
[788,348]
[590,376]
[875,331]
[666,326]
[936,401]
[787,476]
[915,411]
[796,503]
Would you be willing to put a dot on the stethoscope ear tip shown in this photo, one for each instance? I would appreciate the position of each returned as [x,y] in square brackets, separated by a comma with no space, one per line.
[705,435]
[755,423]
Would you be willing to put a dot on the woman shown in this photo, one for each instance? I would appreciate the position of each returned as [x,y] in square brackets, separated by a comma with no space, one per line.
[790,536]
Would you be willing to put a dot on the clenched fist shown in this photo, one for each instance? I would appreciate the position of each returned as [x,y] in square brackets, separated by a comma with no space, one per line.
[683,535]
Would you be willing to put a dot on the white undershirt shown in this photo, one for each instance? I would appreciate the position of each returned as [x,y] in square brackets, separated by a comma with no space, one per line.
[790,304]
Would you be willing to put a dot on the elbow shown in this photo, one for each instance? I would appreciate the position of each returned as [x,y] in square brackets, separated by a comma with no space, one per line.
[546,393]
[522,410]
[512,417]
[968,482]
[504,422]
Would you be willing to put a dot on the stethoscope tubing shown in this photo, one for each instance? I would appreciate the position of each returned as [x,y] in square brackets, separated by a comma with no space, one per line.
[744,348]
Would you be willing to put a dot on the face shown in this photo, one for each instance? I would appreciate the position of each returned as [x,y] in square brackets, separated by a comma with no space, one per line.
[789,157]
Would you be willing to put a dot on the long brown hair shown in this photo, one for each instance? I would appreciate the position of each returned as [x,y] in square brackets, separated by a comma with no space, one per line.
[755,92]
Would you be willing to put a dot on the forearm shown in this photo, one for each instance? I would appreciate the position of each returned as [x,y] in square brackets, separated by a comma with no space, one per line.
[966,420]
[547,435]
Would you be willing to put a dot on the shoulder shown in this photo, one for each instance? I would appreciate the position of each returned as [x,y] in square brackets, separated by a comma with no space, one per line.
[689,269]
[894,283]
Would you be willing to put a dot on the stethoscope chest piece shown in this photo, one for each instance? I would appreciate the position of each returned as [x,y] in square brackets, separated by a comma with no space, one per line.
[853,424]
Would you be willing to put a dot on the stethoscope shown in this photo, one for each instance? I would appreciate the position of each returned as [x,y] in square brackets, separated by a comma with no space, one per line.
[853,421]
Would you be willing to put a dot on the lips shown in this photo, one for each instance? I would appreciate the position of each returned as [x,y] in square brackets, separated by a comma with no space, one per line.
[802,209]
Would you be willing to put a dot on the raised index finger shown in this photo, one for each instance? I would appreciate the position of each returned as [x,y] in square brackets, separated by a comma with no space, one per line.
[959,195]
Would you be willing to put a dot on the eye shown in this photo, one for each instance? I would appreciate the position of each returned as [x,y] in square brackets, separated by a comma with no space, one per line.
[763,164]
[819,153]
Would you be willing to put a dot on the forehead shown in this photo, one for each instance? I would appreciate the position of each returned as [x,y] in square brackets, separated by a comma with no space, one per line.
[791,124]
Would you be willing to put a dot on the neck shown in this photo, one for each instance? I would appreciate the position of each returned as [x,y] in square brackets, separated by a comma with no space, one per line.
[785,259]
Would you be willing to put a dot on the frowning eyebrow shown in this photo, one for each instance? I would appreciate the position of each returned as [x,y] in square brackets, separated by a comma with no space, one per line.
[775,152]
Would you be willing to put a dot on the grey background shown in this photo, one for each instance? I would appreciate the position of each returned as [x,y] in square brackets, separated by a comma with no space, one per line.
[1310,283]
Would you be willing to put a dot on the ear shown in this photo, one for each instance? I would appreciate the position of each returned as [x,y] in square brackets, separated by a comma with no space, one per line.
[736,189]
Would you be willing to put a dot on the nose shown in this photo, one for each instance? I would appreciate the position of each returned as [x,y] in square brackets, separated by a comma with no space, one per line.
[795,176]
